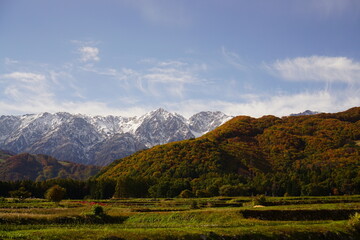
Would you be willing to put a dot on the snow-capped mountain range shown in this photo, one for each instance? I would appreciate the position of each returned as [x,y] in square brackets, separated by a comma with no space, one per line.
[101,139]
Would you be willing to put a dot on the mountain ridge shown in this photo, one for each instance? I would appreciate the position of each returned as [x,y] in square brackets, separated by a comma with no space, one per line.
[99,139]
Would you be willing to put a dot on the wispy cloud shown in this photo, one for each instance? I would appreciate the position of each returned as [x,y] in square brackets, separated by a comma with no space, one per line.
[159,78]
[54,89]
[178,85]
[89,54]
[27,92]
[9,61]
[317,68]
[171,72]
[280,105]
[65,81]
[25,77]
[21,87]
[172,76]
[233,59]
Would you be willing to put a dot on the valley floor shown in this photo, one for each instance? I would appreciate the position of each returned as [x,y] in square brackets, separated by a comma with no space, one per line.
[207,218]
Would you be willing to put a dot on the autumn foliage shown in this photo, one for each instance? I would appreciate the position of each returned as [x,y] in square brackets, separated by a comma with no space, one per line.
[55,193]
[309,155]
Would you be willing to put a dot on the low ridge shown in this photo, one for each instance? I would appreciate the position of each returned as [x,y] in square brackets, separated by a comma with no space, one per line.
[38,167]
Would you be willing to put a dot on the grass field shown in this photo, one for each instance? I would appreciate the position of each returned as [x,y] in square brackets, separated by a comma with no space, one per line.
[207,218]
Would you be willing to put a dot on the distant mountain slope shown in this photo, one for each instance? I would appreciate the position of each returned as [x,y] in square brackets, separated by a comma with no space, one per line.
[248,147]
[99,140]
[42,167]
[204,122]
[307,112]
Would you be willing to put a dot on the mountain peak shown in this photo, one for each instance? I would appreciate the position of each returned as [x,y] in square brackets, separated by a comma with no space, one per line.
[161,114]
[305,113]
[160,111]
[206,121]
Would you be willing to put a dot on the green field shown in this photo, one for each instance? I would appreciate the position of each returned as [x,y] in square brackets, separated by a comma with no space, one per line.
[200,218]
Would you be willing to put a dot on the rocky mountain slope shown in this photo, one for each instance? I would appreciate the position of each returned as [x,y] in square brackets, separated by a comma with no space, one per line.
[99,140]
[39,167]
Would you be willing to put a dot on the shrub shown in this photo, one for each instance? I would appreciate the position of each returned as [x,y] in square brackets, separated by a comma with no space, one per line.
[194,205]
[259,200]
[354,222]
[97,210]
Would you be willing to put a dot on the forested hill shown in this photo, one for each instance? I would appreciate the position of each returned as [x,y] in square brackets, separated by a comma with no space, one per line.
[38,167]
[289,154]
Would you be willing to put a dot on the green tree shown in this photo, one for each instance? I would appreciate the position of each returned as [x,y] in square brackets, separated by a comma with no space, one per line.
[21,193]
[131,187]
[315,189]
[55,194]
[237,190]
[103,189]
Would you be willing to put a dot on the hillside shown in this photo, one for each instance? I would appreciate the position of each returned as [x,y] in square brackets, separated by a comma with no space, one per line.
[296,155]
[42,167]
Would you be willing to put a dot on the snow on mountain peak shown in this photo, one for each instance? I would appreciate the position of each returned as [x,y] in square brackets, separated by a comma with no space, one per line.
[204,122]
[86,139]
[307,112]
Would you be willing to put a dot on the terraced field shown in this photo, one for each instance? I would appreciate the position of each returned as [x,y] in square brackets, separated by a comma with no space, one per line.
[200,218]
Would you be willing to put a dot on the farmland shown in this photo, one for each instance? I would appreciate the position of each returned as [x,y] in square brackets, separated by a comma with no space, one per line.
[182,218]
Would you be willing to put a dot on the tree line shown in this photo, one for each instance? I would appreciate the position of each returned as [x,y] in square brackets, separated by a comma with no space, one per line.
[316,181]
[75,189]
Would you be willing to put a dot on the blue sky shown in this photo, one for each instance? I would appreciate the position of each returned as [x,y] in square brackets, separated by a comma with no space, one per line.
[127,57]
